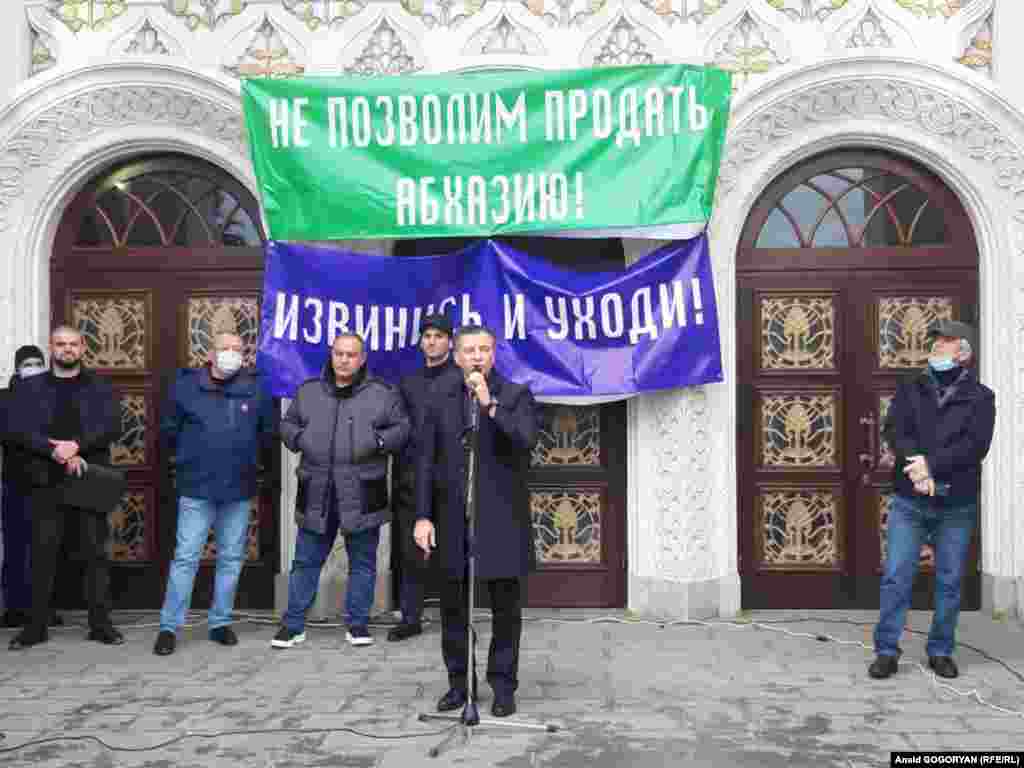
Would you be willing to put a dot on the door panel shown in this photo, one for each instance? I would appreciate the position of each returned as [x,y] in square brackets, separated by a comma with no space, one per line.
[150,259]
[576,486]
[815,472]
[843,264]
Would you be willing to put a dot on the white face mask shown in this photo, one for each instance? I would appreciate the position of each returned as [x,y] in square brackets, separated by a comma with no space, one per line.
[229,362]
[31,369]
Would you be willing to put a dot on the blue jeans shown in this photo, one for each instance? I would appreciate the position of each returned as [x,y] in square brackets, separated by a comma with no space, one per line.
[230,521]
[311,551]
[948,528]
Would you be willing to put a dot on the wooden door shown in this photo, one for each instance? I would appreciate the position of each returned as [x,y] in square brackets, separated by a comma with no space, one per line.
[150,259]
[844,264]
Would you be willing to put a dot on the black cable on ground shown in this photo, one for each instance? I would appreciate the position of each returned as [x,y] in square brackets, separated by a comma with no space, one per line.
[220,734]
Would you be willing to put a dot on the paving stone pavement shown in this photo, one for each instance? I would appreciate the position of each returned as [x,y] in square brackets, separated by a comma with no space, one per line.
[624,693]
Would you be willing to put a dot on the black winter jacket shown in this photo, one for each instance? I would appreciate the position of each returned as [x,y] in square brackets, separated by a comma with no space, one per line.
[30,414]
[954,436]
[342,464]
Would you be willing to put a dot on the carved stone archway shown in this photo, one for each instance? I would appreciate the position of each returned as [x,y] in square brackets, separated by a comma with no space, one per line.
[973,139]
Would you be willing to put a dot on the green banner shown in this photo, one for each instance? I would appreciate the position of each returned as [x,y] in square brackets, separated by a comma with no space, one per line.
[486,153]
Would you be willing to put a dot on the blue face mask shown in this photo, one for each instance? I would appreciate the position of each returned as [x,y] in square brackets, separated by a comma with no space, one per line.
[940,364]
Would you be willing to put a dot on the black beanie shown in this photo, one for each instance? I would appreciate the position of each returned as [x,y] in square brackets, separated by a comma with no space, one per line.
[27,352]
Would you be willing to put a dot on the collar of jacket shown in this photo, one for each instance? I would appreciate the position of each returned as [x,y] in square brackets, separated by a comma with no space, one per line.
[360,380]
[239,384]
[85,375]
[964,385]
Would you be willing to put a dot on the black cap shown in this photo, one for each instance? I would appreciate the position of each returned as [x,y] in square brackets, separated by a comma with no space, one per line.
[437,322]
[27,352]
[954,329]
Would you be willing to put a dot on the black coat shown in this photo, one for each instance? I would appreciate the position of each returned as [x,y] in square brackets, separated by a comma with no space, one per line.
[954,437]
[417,389]
[504,530]
[30,415]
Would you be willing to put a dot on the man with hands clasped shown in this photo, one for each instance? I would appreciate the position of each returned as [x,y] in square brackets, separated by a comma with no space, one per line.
[939,427]
[62,421]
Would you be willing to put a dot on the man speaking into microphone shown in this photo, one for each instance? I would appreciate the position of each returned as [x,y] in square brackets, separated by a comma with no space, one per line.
[505,415]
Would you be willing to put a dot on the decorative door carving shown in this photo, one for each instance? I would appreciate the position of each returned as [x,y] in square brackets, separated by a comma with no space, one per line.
[844,264]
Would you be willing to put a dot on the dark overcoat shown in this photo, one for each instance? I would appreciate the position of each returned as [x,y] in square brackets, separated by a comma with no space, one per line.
[504,532]
[417,389]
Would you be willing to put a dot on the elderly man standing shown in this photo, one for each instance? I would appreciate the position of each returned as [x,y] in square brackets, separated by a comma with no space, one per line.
[218,419]
[63,421]
[939,427]
[344,424]
[506,415]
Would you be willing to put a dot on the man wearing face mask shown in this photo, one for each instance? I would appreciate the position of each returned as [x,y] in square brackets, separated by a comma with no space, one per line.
[17,489]
[939,427]
[218,419]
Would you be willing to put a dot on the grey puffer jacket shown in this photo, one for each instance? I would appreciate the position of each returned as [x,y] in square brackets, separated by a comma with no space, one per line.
[337,432]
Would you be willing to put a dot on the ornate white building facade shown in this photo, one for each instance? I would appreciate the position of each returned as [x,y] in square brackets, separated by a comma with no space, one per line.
[92,81]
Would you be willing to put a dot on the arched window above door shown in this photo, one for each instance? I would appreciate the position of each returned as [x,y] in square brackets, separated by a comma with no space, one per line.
[854,208]
[167,202]
[854,201]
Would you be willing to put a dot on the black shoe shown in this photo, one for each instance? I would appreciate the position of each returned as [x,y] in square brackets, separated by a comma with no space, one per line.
[106,634]
[26,639]
[944,666]
[13,618]
[164,645]
[883,666]
[224,636]
[503,706]
[451,700]
[56,620]
[405,631]
[285,638]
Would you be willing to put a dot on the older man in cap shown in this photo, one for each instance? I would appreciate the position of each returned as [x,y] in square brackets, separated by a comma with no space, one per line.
[939,427]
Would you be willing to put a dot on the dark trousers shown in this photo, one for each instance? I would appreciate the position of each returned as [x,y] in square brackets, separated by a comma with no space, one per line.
[410,594]
[507,625]
[17,523]
[50,525]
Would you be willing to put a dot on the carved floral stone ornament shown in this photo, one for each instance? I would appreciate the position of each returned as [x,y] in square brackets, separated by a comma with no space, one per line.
[46,136]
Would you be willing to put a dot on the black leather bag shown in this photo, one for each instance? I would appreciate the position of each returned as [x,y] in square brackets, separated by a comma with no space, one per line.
[98,489]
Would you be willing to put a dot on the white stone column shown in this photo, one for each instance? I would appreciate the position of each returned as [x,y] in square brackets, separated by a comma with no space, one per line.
[15,41]
[677,547]
[1004,590]
[1007,52]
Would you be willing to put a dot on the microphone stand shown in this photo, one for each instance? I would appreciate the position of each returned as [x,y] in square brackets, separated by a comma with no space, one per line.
[470,716]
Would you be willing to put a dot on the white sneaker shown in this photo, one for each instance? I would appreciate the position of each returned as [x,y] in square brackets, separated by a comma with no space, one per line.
[285,638]
[359,636]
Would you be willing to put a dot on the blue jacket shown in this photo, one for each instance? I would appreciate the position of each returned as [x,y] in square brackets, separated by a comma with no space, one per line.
[217,432]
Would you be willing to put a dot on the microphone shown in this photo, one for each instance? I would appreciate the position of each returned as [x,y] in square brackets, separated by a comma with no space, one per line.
[474,405]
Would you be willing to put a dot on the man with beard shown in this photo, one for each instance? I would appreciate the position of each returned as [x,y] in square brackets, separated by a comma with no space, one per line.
[503,544]
[417,389]
[64,421]
[17,517]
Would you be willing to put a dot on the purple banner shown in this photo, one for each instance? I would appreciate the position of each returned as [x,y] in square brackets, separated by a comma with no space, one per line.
[599,335]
